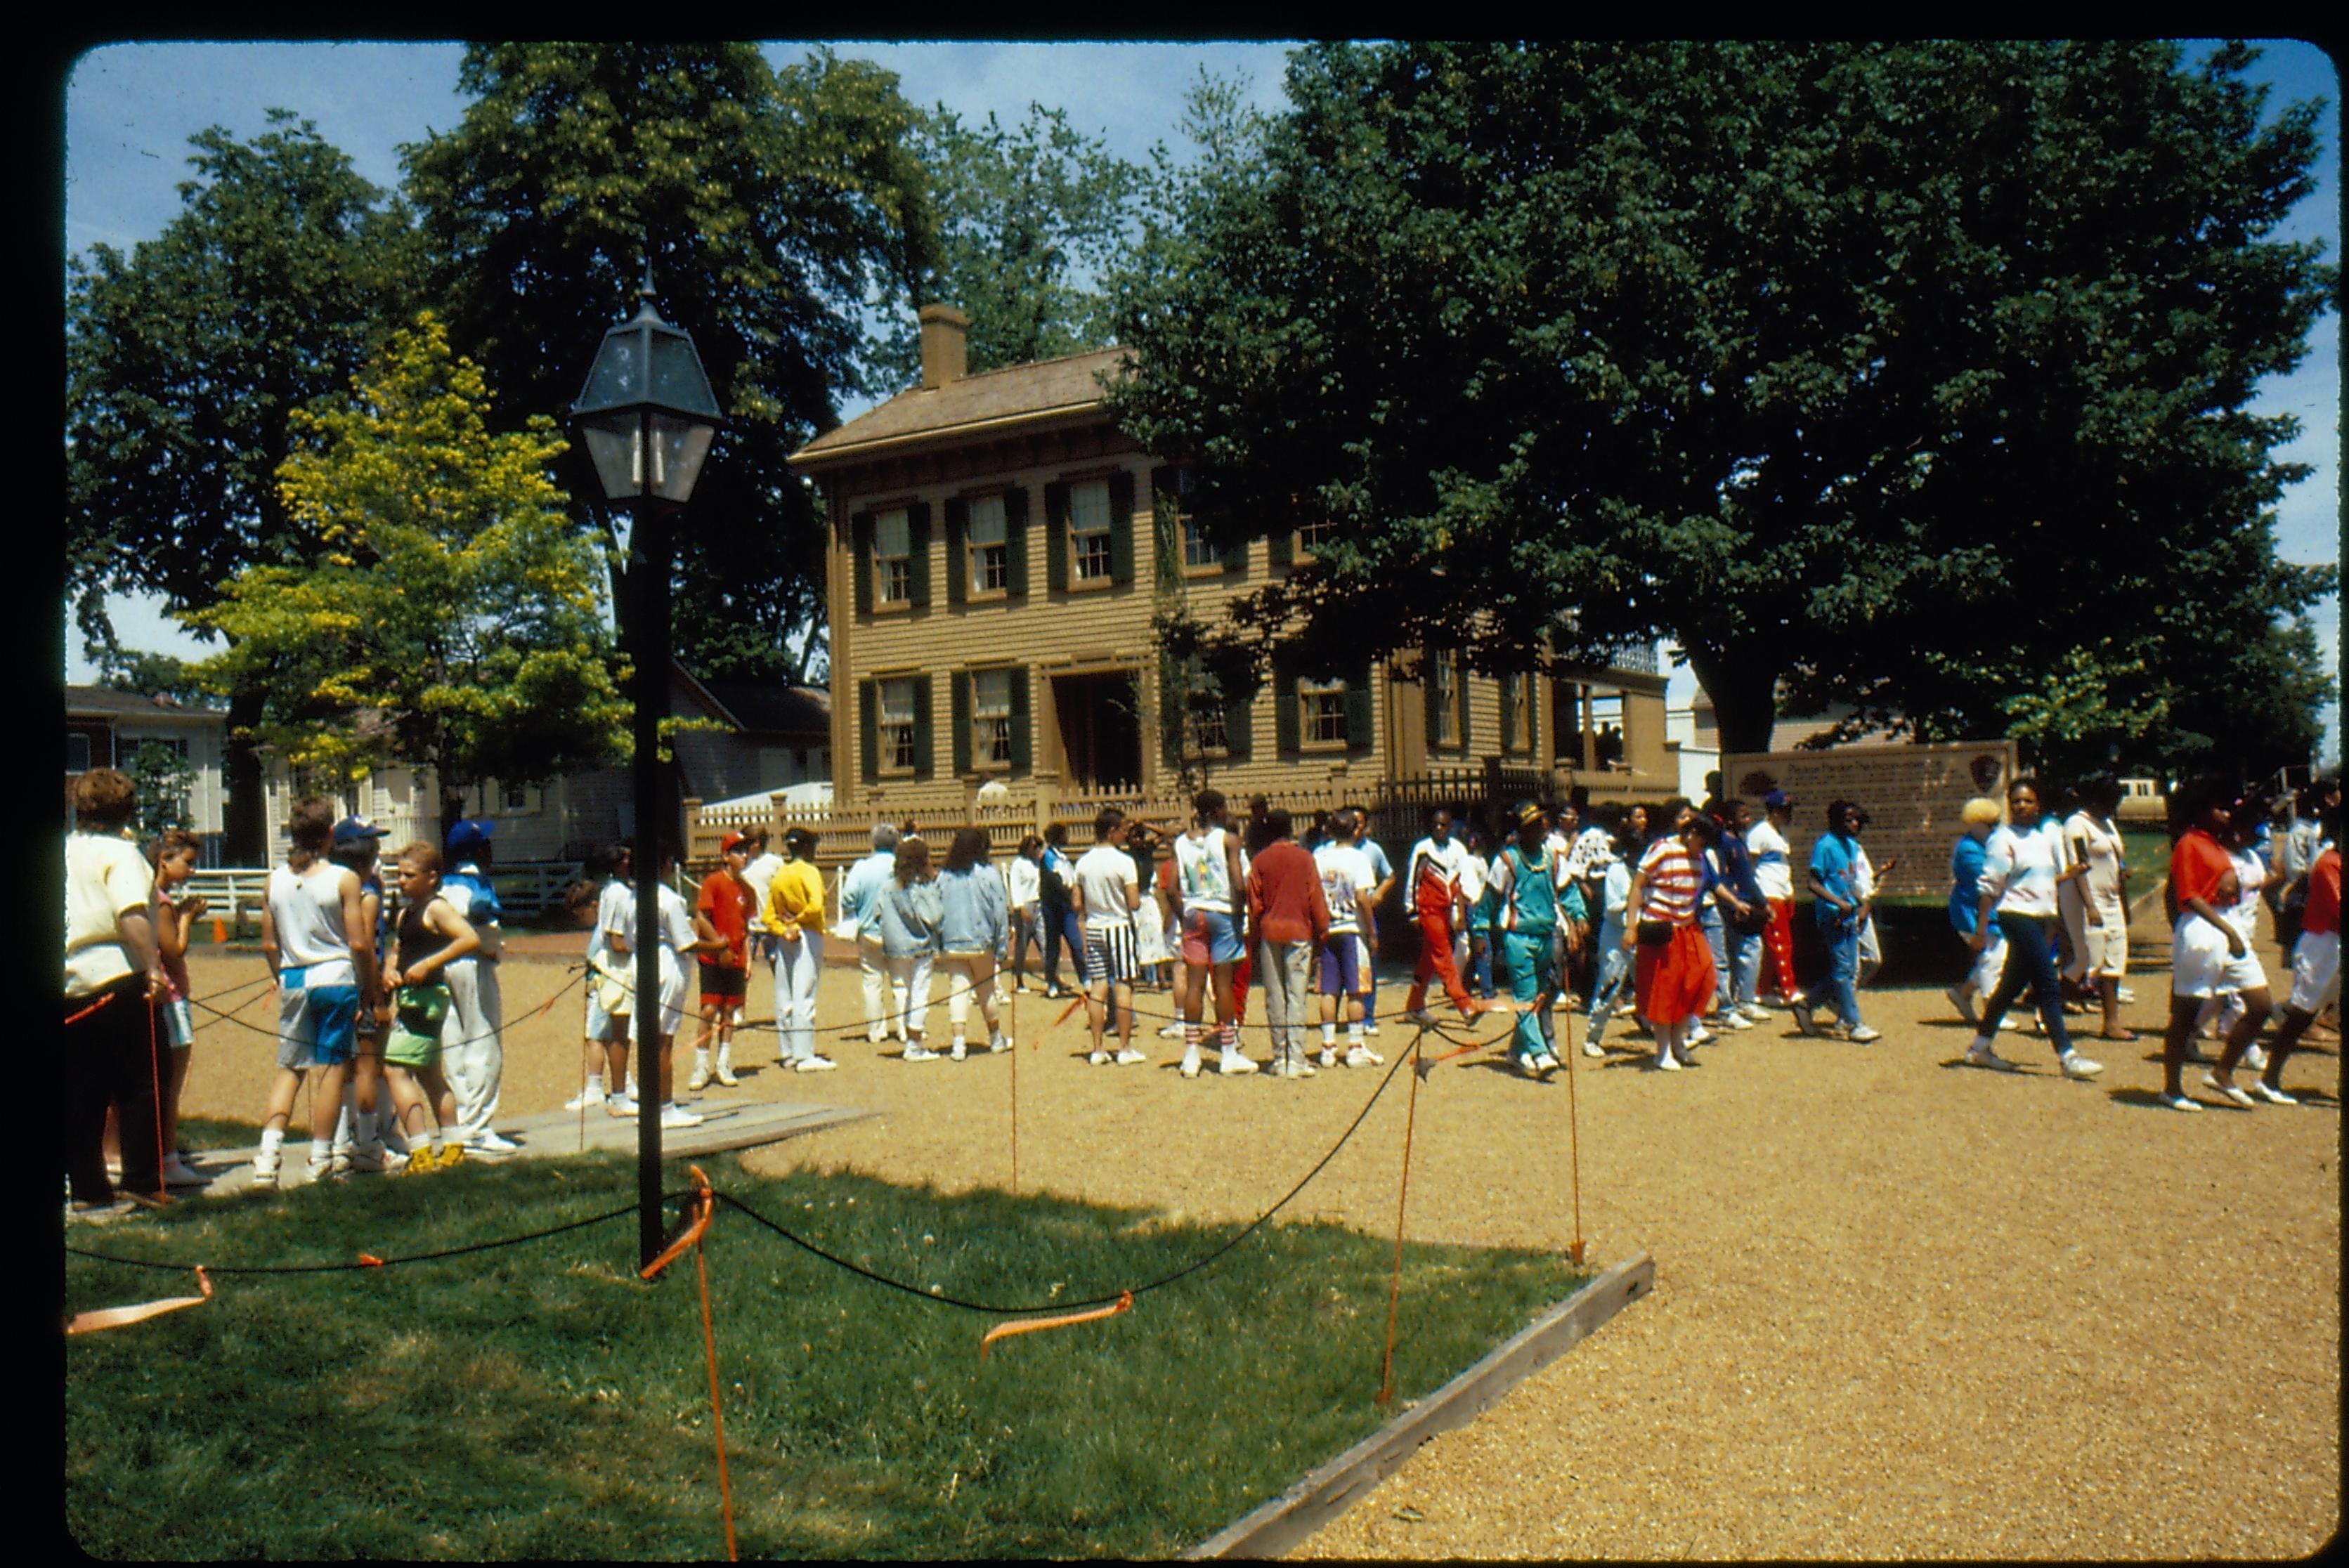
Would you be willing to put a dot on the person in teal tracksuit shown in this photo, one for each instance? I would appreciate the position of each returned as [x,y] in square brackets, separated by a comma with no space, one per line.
[1524,886]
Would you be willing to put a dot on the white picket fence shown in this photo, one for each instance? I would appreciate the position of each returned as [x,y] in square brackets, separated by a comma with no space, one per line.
[526,889]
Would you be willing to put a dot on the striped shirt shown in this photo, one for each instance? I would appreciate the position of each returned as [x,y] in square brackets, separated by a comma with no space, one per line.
[1672,880]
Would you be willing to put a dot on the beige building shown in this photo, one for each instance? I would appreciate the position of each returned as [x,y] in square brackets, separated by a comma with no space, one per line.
[998,549]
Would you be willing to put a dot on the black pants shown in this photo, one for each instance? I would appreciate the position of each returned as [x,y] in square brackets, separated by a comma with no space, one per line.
[2030,960]
[114,1056]
[1056,933]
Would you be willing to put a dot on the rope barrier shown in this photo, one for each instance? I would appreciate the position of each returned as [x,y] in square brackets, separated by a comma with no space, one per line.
[1394,1291]
[368,1260]
[695,1236]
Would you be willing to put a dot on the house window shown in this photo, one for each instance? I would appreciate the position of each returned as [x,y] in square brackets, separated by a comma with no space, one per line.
[1312,535]
[517,797]
[1444,672]
[1089,547]
[1518,712]
[990,717]
[1196,550]
[1322,712]
[893,558]
[990,556]
[77,753]
[896,726]
[1210,714]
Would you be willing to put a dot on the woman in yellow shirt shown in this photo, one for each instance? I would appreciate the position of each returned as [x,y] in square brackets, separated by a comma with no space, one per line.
[794,915]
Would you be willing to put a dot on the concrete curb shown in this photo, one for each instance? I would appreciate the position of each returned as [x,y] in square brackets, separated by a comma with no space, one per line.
[1331,1489]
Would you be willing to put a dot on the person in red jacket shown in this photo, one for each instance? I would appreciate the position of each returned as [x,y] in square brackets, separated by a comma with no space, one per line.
[2315,966]
[1291,920]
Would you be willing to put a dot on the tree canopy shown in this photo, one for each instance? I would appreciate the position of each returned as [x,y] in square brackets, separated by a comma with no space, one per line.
[771,204]
[185,362]
[1030,219]
[1911,376]
[452,619]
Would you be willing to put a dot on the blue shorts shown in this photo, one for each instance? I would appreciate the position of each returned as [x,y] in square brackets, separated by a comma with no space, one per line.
[316,1024]
[1208,937]
[1342,965]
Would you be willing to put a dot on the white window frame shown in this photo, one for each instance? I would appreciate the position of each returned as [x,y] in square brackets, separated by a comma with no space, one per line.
[892,575]
[989,563]
[1089,534]
[1444,671]
[991,719]
[893,737]
[1321,704]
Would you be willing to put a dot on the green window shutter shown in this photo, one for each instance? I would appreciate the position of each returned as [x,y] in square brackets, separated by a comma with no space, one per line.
[958,550]
[1239,712]
[961,695]
[1360,729]
[1430,696]
[1287,726]
[1023,748]
[1120,526]
[1533,714]
[1460,695]
[918,531]
[868,731]
[1281,547]
[1173,723]
[860,553]
[1015,541]
[924,751]
[1056,537]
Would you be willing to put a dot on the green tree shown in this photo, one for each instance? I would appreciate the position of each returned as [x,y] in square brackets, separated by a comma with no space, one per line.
[1030,219]
[1908,376]
[453,620]
[185,360]
[143,674]
[166,785]
[771,204]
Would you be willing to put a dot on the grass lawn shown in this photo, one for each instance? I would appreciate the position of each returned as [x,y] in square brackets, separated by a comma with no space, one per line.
[542,1401]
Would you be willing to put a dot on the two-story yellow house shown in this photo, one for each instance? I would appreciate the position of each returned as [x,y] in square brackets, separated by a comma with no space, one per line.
[995,564]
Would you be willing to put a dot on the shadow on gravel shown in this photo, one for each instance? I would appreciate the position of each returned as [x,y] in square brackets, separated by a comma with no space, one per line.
[2022,1069]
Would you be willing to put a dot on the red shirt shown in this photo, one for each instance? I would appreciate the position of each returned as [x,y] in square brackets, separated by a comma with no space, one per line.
[728,905]
[2323,912]
[1283,892]
[2195,866]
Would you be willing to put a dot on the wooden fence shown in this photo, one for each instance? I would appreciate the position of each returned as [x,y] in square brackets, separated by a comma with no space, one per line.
[526,890]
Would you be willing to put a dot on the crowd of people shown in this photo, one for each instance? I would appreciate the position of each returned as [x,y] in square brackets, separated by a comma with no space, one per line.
[1670,919]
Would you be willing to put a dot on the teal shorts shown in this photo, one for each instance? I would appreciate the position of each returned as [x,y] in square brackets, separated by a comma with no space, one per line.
[416,1016]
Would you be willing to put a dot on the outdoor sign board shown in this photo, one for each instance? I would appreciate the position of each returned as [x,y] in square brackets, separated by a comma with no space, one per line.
[1912,795]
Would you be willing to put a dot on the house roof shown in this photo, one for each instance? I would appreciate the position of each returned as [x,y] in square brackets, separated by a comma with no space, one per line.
[771,707]
[989,402]
[104,702]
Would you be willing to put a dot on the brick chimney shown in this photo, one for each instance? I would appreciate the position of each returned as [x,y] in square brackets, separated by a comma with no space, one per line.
[946,341]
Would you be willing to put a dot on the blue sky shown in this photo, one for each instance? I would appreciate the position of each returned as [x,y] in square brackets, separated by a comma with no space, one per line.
[130,109]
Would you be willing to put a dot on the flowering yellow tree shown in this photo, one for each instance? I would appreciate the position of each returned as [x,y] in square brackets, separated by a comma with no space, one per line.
[454,618]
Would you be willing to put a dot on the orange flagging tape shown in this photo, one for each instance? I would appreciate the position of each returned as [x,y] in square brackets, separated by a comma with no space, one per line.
[94,1006]
[705,1205]
[117,1316]
[1030,1324]
[371,1261]
[1066,1013]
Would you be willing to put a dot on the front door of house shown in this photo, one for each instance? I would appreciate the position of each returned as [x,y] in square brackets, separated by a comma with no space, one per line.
[1100,730]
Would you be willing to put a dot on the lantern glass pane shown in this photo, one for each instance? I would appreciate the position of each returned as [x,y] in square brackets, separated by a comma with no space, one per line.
[677,448]
[618,376]
[615,442]
[676,377]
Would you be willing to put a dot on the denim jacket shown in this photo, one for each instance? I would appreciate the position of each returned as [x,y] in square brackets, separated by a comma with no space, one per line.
[975,912]
[906,918]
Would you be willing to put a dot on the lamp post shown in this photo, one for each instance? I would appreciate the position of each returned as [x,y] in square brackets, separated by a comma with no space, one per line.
[648,417]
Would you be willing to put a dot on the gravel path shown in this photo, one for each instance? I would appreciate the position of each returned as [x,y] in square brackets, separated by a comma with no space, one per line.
[1903,1308]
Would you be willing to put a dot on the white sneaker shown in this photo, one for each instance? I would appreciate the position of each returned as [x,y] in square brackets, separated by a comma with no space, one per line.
[1191,1063]
[677,1116]
[724,1074]
[1417,1016]
[1731,1018]
[1863,1036]
[1979,1055]
[958,1051]
[1235,1064]
[266,1168]
[913,1053]
[620,1104]
[1371,1028]
[1363,1057]
[2010,1022]
[1592,1048]
[2177,1102]
[1755,1013]
[1667,1062]
[997,1043]
[490,1142]
[1698,1035]
[814,1065]
[2273,1096]
[1128,1056]
[2076,1066]
[2231,1091]
[1293,1069]
[1171,1031]
[1099,1058]
[333,1165]
[699,1080]
[368,1160]
[1329,1056]
[586,1100]
[2254,1057]
[178,1172]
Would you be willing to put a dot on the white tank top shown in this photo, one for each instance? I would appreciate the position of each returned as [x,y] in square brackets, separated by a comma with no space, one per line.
[307,907]
[1206,879]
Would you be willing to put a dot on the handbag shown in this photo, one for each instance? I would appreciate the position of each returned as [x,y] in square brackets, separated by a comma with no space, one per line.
[1754,921]
[1655,932]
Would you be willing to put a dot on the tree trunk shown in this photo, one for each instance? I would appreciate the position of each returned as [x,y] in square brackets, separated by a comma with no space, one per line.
[1744,685]
[451,788]
[245,809]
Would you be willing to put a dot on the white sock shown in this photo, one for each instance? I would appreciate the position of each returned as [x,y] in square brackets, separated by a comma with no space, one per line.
[363,1129]
[1190,1036]
[726,1057]
[1329,1035]
[321,1150]
[1354,1036]
[700,1061]
[273,1139]
[595,1083]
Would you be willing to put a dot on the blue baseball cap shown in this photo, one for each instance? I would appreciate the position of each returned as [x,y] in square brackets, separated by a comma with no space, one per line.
[353,832]
[471,833]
